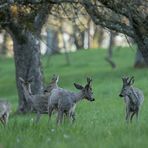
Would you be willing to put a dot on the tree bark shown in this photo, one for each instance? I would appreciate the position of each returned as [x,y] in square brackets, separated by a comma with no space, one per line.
[141,38]
[143,48]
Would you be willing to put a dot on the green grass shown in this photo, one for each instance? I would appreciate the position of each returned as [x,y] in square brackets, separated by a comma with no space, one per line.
[99,124]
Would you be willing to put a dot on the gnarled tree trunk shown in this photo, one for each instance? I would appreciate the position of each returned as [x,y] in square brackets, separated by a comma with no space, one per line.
[141,39]
[27,63]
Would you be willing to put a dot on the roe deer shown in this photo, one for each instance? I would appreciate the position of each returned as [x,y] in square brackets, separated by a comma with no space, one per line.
[64,101]
[38,102]
[133,98]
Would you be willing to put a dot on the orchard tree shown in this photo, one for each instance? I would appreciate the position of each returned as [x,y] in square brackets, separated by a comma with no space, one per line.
[24,21]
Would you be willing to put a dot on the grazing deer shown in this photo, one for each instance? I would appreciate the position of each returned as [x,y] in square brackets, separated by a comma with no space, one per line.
[133,98]
[64,101]
[52,85]
[4,112]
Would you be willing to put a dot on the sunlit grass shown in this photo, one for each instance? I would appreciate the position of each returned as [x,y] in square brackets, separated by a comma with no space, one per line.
[98,124]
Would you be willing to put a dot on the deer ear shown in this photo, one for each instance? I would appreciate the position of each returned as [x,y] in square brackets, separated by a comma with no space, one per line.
[78,86]
[132,80]
[30,80]
[21,79]
[57,79]
[123,78]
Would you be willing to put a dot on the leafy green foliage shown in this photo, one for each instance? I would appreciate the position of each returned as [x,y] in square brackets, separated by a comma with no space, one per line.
[98,124]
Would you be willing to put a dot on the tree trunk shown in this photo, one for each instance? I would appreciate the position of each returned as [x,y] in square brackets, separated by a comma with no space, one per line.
[25,28]
[139,61]
[79,40]
[55,42]
[52,41]
[4,44]
[78,36]
[100,36]
[49,41]
[27,62]
[65,47]
[110,50]
[143,47]
[141,38]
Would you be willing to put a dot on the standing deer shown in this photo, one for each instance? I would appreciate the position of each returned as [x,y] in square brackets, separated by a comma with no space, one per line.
[38,102]
[133,98]
[4,111]
[64,101]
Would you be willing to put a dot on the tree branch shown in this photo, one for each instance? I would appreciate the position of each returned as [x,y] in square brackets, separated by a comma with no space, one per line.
[116,6]
[108,19]
[138,9]
[42,16]
[26,2]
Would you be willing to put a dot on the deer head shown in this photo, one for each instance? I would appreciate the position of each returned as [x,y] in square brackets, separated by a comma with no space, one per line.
[27,83]
[127,82]
[55,79]
[87,90]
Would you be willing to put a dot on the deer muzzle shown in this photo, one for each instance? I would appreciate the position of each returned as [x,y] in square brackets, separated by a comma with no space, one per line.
[93,99]
[120,95]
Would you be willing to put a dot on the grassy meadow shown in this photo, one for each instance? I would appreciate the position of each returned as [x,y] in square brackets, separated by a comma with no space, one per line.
[99,124]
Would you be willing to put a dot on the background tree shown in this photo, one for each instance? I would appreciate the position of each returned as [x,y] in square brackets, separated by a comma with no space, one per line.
[52,41]
[3,46]
[110,50]
[130,19]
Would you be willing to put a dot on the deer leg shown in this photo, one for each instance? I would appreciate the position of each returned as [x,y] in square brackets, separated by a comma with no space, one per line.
[7,116]
[137,113]
[66,116]
[4,118]
[127,114]
[37,117]
[73,116]
[2,121]
[132,115]
[50,109]
[59,117]
[69,116]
